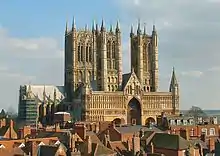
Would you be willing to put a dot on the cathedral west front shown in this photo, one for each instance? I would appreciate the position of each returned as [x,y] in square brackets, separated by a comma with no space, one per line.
[95,88]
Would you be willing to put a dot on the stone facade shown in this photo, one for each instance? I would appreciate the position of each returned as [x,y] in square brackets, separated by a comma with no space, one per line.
[96,89]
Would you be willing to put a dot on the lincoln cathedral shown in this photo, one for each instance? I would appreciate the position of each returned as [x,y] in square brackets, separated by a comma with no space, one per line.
[95,89]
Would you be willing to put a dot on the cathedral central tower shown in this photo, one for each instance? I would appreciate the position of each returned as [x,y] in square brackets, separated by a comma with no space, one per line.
[96,50]
[144,57]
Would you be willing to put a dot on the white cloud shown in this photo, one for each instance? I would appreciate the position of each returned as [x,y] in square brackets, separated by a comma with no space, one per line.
[37,60]
[189,36]
[192,73]
[42,47]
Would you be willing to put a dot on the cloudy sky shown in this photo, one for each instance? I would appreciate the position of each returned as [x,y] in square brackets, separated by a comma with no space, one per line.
[31,42]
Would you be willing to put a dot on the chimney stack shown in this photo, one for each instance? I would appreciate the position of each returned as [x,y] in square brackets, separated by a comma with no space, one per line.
[128,145]
[135,144]
[152,147]
[80,129]
[89,145]
[11,128]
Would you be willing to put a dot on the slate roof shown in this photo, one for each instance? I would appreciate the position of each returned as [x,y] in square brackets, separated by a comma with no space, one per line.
[117,146]
[4,129]
[94,137]
[170,141]
[46,150]
[101,150]
[125,79]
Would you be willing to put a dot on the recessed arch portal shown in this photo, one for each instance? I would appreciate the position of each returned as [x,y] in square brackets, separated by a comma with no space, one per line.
[134,112]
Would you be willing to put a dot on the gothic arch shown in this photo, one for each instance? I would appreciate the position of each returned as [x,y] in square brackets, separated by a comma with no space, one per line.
[149,46]
[80,75]
[90,53]
[87,53]
[113,49]
[108,49]
[134,112]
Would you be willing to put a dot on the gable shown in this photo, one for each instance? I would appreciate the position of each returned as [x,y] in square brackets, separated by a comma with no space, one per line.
[132,85]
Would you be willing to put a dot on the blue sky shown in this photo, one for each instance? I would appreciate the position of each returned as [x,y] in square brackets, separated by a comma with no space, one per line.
[31,42]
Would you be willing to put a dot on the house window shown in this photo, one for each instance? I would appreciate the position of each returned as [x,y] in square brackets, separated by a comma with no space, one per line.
[178,122]
[192,132]
[191,121]
[184,122]
[172,122]
[204,130]
[212,131]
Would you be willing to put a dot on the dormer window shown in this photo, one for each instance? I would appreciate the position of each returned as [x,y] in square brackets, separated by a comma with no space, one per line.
[172,122]
[178,122]
[184,122]
[191,121]
[204,130]
[212,131]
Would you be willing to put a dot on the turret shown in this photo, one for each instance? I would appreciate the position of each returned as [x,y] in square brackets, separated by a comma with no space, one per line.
[155,70]
[117,29]
[104,85]
[93,26]
[119,54]
[103,26]
[174,89]
[139,28]
[132,31]
[94,36]
[66,30]
[140,63]
[73,24]
[97,29]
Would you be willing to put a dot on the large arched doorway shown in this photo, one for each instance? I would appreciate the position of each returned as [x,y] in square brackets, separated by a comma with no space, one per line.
[134,112]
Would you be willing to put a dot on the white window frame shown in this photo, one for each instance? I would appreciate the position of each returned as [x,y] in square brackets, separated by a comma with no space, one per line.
[184,122]
[204,130]
[212,130]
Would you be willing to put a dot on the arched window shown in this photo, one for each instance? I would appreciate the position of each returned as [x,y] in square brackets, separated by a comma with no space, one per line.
[113,88]
[113,49]
[89,76]
[108,49]
[87,53]
[149,48]
[79,52]
[109,80]
[80,76]
[90,53]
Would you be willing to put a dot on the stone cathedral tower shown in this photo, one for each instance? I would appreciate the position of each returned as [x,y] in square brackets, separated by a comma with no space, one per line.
[96,50]
[96,89]
[144,57]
